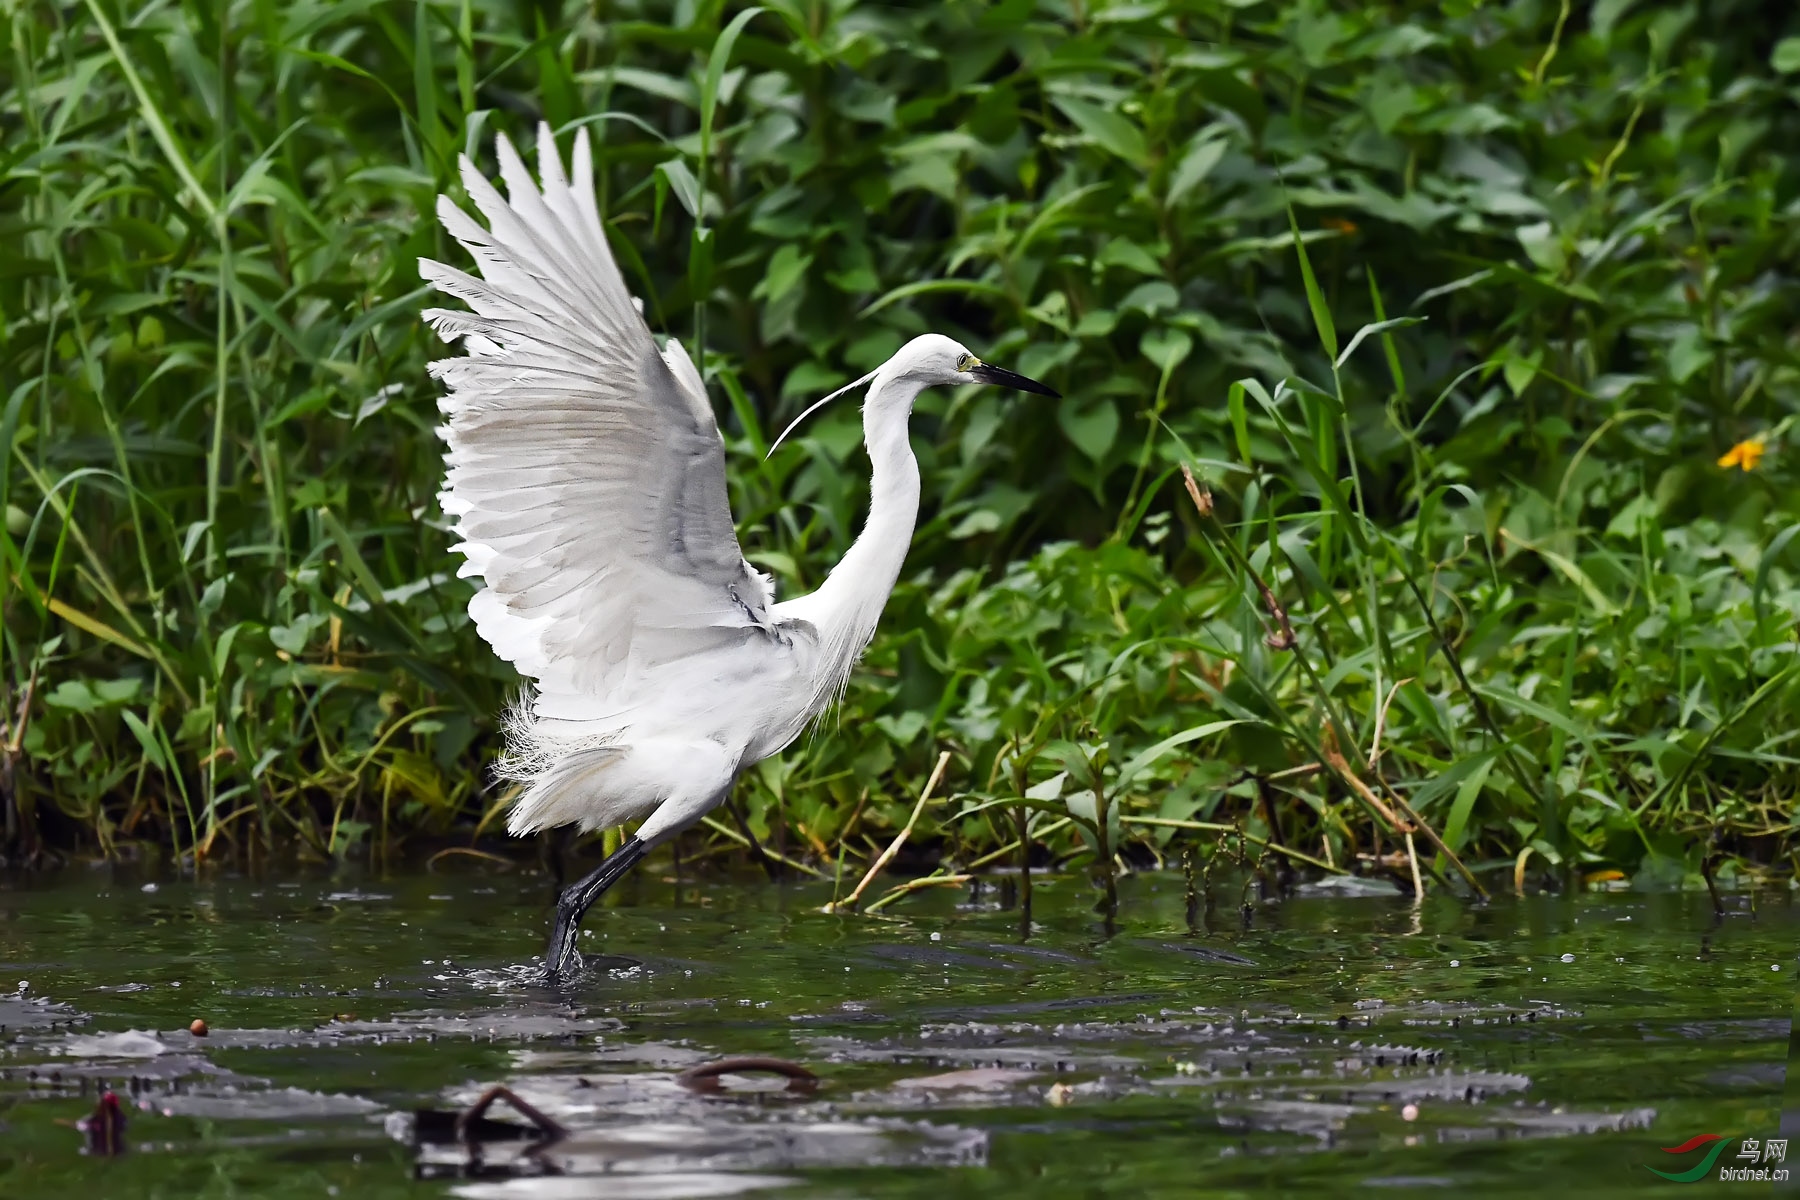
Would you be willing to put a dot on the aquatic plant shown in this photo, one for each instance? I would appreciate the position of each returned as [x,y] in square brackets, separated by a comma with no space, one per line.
[1464,316]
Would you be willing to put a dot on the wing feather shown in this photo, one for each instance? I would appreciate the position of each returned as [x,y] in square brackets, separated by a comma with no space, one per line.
[585,471]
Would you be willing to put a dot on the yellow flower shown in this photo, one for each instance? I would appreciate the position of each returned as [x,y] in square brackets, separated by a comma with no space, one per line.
[1745,454]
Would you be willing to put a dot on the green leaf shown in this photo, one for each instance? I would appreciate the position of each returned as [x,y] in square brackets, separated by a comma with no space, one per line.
[1549,716]
[1544,246]
[681,181]
[1111,131]
[118,691]
[351,558]
[654,83]
[934,173]
[1122,252]
[1167,348]
[982,520]
[1759,587]
[153,117]
[1786,58]
[147,741]
[1148,758]
[787,269]
[74,695]
[1520,370]
[465,62]
[1240,421]
[1315,299]
[1605,15]
[1152,297]
[1203,154]
[1377,327]
[1457,824]
[1096,323]
[1627,522]
[1425,797]
[1580,579]
[972,287]
[214,595]
[700,261]
[1092,428]
[1688,354]
[1387,342]
[222,650]
[292,638]
[715,73]
[1084,806]
[425,81]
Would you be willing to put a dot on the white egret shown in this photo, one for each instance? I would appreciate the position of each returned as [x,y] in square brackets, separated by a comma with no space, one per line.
[586,479]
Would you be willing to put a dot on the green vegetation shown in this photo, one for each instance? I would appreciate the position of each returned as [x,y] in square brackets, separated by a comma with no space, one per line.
[1453,309]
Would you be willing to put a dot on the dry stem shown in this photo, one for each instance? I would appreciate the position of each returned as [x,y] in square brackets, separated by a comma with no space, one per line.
[849,902]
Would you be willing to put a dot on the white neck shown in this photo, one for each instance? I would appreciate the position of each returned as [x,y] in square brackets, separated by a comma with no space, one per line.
[847,607]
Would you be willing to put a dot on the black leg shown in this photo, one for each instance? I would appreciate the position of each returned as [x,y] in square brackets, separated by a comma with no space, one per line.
[578,897]
[769,866]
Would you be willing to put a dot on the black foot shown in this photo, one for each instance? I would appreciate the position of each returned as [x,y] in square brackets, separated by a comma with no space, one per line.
[562,958]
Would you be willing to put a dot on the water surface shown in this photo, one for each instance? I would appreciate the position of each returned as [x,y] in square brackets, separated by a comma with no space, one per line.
[1341,1044]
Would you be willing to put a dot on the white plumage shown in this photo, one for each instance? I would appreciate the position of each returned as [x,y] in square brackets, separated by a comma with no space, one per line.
[586,479]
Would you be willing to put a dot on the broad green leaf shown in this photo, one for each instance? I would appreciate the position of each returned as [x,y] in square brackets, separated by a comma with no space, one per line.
[292,638]
[682,182]
[1153,297]
[1167,348]
[1121,252]
[1426,795]
[147,741]
[1521,369]
[73,694]
[1203,154]
[1544,246]
[787,268]
[1111,131]
[1092,428]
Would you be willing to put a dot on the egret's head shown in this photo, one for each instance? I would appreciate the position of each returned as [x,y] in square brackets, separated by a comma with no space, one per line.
[930,360]
[934,359]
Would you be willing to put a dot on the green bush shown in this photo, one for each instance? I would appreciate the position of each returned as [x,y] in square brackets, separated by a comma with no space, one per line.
[1456,309]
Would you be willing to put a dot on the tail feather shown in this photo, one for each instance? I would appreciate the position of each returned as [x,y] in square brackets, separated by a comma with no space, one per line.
[573,790]
[565,779]
[578,773]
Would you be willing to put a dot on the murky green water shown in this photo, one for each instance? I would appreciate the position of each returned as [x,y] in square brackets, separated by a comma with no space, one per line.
[1551,1043]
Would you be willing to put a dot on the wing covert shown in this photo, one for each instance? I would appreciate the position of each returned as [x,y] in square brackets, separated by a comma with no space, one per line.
[586,473]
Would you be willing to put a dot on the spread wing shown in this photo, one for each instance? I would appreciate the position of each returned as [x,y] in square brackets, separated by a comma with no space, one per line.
[586,474]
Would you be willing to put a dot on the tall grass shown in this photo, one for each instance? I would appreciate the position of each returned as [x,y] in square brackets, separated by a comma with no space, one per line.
[1452,311]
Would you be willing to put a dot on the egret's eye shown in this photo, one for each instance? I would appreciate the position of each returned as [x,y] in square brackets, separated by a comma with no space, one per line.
[967,362]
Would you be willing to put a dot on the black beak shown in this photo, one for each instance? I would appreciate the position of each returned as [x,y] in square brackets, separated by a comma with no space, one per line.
[995,375]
